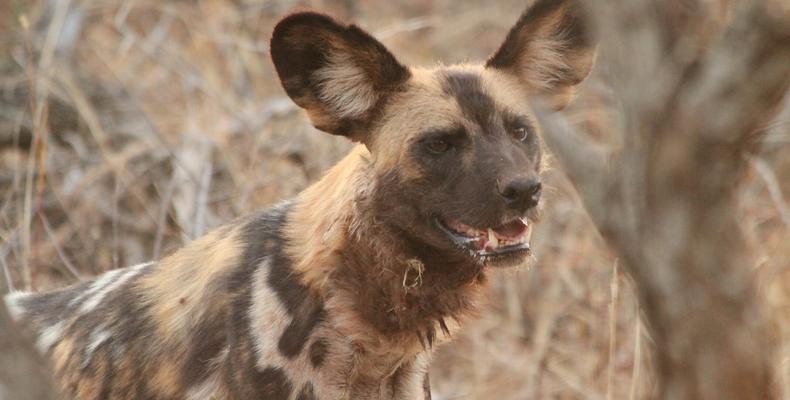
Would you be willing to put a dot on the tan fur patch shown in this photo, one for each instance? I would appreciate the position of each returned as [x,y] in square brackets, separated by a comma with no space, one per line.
[507,91]
[125,378]
[166,380]
[419,108]
[177,288]
[88,388]
[316,231]
[61,353]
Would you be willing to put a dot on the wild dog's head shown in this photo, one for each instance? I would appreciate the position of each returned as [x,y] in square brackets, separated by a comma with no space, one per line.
[455,150]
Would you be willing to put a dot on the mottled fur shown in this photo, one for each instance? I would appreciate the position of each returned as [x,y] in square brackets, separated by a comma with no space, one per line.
[344,291]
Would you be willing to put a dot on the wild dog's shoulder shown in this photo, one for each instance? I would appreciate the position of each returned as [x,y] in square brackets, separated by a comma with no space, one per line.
[262,229]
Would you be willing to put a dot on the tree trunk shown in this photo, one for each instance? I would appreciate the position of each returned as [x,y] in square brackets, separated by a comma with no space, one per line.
[694,93]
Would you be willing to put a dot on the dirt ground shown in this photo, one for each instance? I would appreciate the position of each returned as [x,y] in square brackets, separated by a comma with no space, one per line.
[127,128]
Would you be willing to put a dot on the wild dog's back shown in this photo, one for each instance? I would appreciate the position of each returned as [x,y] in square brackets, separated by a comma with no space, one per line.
[81,328]
[176,329]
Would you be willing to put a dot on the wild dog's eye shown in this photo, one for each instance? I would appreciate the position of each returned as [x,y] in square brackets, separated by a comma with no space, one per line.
[521,133]
[441,141]
[437,146]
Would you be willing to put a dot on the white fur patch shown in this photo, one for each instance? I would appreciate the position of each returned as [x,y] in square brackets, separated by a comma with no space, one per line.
[12,303]
[98,284]
[269,318]
[98,337]
[345,87]
[98,296]
[208,389]
[49,336]
[411,385]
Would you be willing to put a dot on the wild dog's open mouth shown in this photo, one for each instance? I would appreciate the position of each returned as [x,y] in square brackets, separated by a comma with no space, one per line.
[506,239]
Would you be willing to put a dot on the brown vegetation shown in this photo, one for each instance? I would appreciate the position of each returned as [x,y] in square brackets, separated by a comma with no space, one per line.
[129,128]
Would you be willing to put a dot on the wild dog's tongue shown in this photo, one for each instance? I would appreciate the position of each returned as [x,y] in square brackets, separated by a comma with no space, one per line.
[512,229]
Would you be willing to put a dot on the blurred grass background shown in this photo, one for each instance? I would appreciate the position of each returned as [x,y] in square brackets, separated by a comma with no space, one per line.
[129,127]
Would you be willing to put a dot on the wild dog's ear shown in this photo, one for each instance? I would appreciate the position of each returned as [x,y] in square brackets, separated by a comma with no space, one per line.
[338,73]
[548,50]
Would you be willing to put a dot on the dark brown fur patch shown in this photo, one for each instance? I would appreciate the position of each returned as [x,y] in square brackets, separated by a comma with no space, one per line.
[303,43]
[307,393]
[48,308]
[318,351]
[260,236]
[208,339]
[467,90]
[298,331]
[305,310]
[274,384]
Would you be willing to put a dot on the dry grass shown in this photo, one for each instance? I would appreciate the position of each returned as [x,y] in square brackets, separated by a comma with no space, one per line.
[130,127]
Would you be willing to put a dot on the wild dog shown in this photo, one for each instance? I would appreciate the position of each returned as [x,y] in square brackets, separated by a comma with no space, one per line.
[344,291]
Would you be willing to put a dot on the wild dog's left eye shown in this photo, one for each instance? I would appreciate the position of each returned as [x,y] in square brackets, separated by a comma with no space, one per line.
[521,133]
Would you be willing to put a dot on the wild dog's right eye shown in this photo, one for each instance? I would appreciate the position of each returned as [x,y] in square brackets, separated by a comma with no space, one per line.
[437,146]
[441,141]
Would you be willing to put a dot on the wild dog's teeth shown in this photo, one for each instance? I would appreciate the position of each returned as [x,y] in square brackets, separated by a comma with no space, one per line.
[492,240]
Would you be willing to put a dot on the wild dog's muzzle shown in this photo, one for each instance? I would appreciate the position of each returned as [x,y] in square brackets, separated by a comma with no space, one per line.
[508,239]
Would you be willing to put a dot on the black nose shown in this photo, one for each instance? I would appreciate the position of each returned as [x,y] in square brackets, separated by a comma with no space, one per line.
[521,193]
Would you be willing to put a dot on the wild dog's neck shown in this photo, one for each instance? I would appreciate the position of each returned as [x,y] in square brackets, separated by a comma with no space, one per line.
[317,226]
[338,245]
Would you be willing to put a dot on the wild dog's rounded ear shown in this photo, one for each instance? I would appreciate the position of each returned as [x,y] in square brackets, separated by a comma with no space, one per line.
[549,50]
[338,73]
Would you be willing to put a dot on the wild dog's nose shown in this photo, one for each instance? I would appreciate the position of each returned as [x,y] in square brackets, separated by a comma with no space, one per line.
[521,193]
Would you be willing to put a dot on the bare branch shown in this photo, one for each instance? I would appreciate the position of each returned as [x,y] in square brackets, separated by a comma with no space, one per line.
[583,159]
